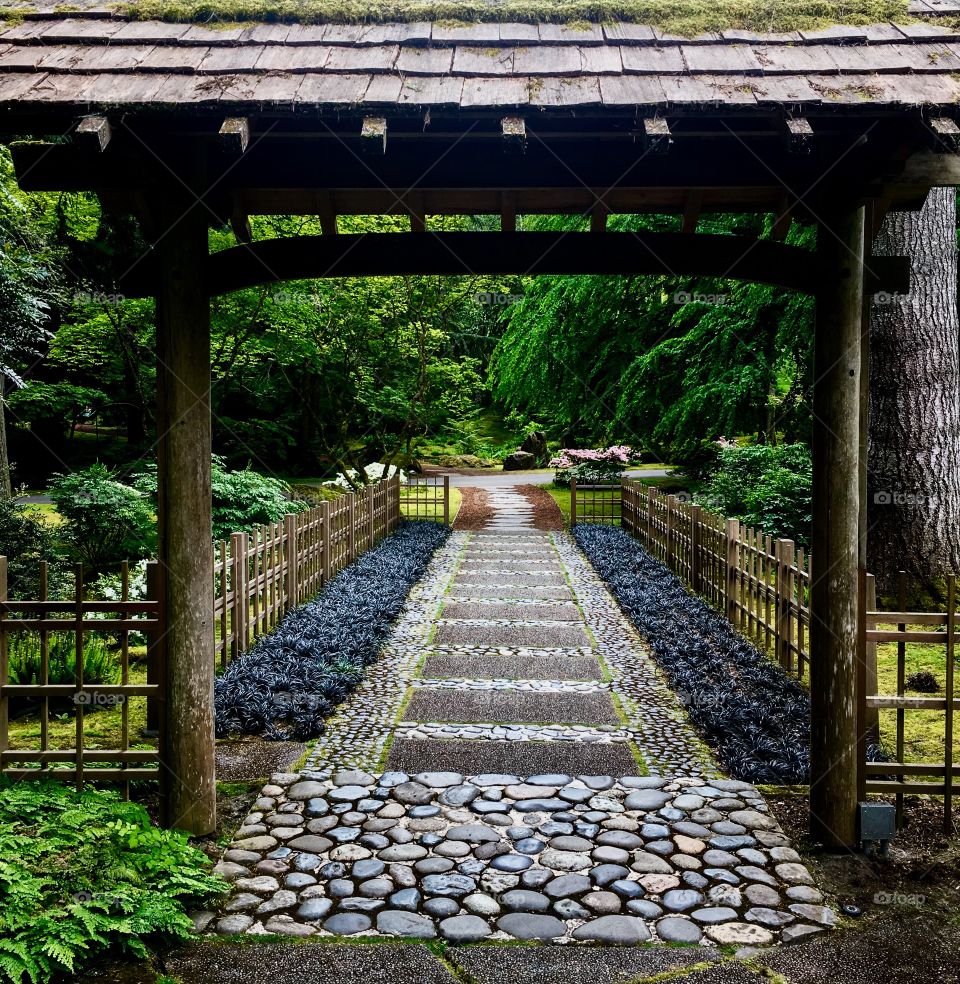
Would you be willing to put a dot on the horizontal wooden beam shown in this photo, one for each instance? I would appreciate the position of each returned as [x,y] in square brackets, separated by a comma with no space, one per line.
[657,136]
[514,131]
[475,253]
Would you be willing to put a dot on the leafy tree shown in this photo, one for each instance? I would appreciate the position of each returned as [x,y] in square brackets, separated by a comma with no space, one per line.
[105,521]
[660,362]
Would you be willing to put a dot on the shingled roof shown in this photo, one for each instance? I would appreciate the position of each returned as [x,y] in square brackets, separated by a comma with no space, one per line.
[97,59]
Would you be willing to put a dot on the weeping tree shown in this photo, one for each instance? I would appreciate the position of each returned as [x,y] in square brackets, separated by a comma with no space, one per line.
[913,485]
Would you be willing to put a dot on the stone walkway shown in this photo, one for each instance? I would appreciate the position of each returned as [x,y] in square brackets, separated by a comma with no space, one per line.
[514,768]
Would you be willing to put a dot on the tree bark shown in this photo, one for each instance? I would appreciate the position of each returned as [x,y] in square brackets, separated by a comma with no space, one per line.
[913,483]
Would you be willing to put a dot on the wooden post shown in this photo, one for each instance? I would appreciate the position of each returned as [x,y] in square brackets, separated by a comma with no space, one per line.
[695,579]
[370,516]
[836,529]
[733,560]
[352,519]
[155,652]
[573,501]
[4,666]
[651,499]
[671,511]
[784,592]
[184,516]
[327,558]
[446,500]
[871,714]
[293,567]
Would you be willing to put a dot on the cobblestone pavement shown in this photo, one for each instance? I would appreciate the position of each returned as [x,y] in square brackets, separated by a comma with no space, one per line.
[514,767]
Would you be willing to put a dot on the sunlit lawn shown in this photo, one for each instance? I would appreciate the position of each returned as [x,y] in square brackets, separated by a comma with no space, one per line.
[416,502]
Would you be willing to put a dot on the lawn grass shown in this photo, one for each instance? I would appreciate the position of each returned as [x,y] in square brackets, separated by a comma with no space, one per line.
[46,512]
[102,729]
[428,510]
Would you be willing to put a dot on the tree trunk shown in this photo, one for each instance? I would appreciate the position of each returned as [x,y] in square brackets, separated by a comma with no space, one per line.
[913,483]
[6,484]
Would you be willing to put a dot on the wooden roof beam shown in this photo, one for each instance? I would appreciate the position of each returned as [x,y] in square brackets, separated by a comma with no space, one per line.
[598,217]
[799,135]
[946,135]
[782,220]
[508,211]
[656,135]
[240,223]
[373,135]
[326,213]
[514,130]
[93,133]
[234,135]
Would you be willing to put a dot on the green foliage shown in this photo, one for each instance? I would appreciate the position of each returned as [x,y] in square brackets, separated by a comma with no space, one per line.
[674,16]
[24,541]
[105,521]
[769,488]
[244,499]
[64,401]
[81,873]
[99,663]
[661,363]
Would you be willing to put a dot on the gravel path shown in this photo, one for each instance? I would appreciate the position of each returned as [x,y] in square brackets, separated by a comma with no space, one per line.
[545,801]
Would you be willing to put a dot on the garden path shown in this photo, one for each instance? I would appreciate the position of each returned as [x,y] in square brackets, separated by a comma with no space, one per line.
[514,767]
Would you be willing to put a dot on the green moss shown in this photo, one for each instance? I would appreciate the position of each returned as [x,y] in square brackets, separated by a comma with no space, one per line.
[683,17]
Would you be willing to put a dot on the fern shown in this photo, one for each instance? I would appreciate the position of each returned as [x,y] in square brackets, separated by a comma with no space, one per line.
[86,872]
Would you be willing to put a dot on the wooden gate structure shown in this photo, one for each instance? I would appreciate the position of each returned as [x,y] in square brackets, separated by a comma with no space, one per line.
[187,126]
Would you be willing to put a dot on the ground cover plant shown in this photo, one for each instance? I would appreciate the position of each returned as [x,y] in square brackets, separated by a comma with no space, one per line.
[286,685]
[755,716]
[82,873]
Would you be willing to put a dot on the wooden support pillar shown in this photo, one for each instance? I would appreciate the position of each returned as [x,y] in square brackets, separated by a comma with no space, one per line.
[184,521]
[836,527]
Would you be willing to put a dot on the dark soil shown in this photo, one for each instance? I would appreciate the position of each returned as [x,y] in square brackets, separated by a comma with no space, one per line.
[475,510]
[546,512]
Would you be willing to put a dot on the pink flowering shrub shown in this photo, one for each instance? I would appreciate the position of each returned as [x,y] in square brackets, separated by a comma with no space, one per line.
[590,467]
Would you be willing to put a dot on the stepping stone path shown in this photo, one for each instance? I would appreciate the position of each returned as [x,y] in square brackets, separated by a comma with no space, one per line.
[514,768]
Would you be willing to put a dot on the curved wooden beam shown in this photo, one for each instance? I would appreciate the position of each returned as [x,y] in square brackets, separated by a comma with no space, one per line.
[465,253]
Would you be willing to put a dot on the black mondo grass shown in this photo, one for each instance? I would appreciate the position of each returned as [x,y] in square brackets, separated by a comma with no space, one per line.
[755,717]
[290,681]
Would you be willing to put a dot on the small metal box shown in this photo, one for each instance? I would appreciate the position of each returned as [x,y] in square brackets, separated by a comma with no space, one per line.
[877,822]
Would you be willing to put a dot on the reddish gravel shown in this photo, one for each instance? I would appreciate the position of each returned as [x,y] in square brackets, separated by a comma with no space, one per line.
[546,512]
[475,510]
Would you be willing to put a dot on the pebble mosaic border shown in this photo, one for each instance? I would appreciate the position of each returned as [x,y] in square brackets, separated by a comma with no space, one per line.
[496,857]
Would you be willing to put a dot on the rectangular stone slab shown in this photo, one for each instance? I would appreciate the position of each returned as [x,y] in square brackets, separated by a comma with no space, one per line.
[511,707]
[466,667]
[519,758]
[288,963]
[501,577]
[522,613]
[511,563]
[545,592]
[534,636]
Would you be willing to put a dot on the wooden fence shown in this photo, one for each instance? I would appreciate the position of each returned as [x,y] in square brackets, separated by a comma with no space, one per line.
[762,584]
[938,629]
[258,576]
[426,497]
[595,503]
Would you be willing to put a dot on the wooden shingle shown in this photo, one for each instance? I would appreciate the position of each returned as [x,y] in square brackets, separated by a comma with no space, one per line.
[564,91]
[498,92]
[474,60]
[721,59]
[546,60]
[425,61]
[432,91]
[632,90]
[652,60]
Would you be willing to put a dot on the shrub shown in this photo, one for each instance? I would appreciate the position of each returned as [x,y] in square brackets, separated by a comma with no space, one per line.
[240,499]
[83,872]
[291,680]
[109,587]
[590,467]
[754,715]
[244,499]
[105,521]
[923,682]
[769,488]
[25,541]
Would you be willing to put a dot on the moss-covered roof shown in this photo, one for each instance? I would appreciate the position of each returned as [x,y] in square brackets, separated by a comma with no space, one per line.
[682,17]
